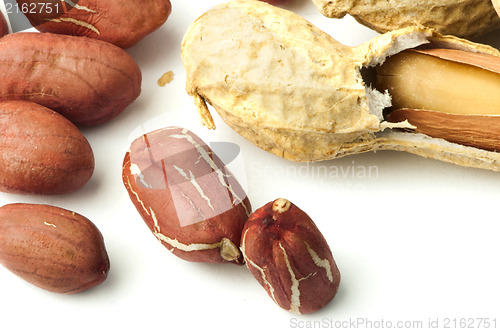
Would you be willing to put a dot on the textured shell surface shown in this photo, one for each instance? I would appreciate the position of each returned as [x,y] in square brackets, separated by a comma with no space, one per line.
[496,5]
[278,59]
[464,18]
[294,91]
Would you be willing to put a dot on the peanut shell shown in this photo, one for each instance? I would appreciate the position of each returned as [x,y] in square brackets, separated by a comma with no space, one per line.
[496,5]
[52,248]
[188,198]
[41,152]
[119,22]
[463,18]
[293,90]
[86,80]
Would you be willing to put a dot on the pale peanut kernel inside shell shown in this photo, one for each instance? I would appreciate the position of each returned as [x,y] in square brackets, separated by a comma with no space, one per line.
[443,93]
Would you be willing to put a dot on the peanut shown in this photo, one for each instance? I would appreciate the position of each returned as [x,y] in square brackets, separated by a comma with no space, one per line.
[472,130]
[52,248]
[462,90]
[120,22]
[189,200]
[4,29]
[86,80]
[461,18]
[290,258]
[41,151]
[293,90]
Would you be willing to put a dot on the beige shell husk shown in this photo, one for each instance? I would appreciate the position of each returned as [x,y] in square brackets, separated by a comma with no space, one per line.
[496,5]
[294,91]
[464,18]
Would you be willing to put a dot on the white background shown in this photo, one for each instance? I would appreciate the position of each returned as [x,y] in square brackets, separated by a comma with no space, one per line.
[414,239]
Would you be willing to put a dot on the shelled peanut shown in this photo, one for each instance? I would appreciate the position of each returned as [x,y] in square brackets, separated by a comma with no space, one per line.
[52,248]
[196,208]
[188,198]
[41,152]
[86,80]
[120,22]
[463,18]
[445,93]
[293,90]
[4,28]
[289,257]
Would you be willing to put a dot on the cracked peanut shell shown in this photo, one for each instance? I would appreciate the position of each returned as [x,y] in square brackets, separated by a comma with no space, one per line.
[294,91]
[463,18]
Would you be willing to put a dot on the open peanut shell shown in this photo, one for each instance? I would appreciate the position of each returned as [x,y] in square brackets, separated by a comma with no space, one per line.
[463,18]
[294,91]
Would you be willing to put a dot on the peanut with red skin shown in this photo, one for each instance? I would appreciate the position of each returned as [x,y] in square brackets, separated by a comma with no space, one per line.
[188,198]
[52,248]
[4,29]
[41,152]
[86,80]
[289,257]
[119,22]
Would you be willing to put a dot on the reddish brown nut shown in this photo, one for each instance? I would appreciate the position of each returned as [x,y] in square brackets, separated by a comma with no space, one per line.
[52,248]
[188,198]
[120,22]
[290,258]
[41,152]
[86,80]
[4,29]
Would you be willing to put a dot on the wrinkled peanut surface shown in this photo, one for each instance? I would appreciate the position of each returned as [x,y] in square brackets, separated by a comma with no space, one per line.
[41,152]
[86,80]
[119,22]
[292,90]
[4,29]
[188,198]
[52,248]
[275,77]
[290,258]
[465,18]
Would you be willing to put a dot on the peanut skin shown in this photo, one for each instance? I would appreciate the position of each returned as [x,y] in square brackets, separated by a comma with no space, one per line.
[52,248]
[41,152]
[86,80]
[4,29]
[289,257]
[187,197]
[120,22]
